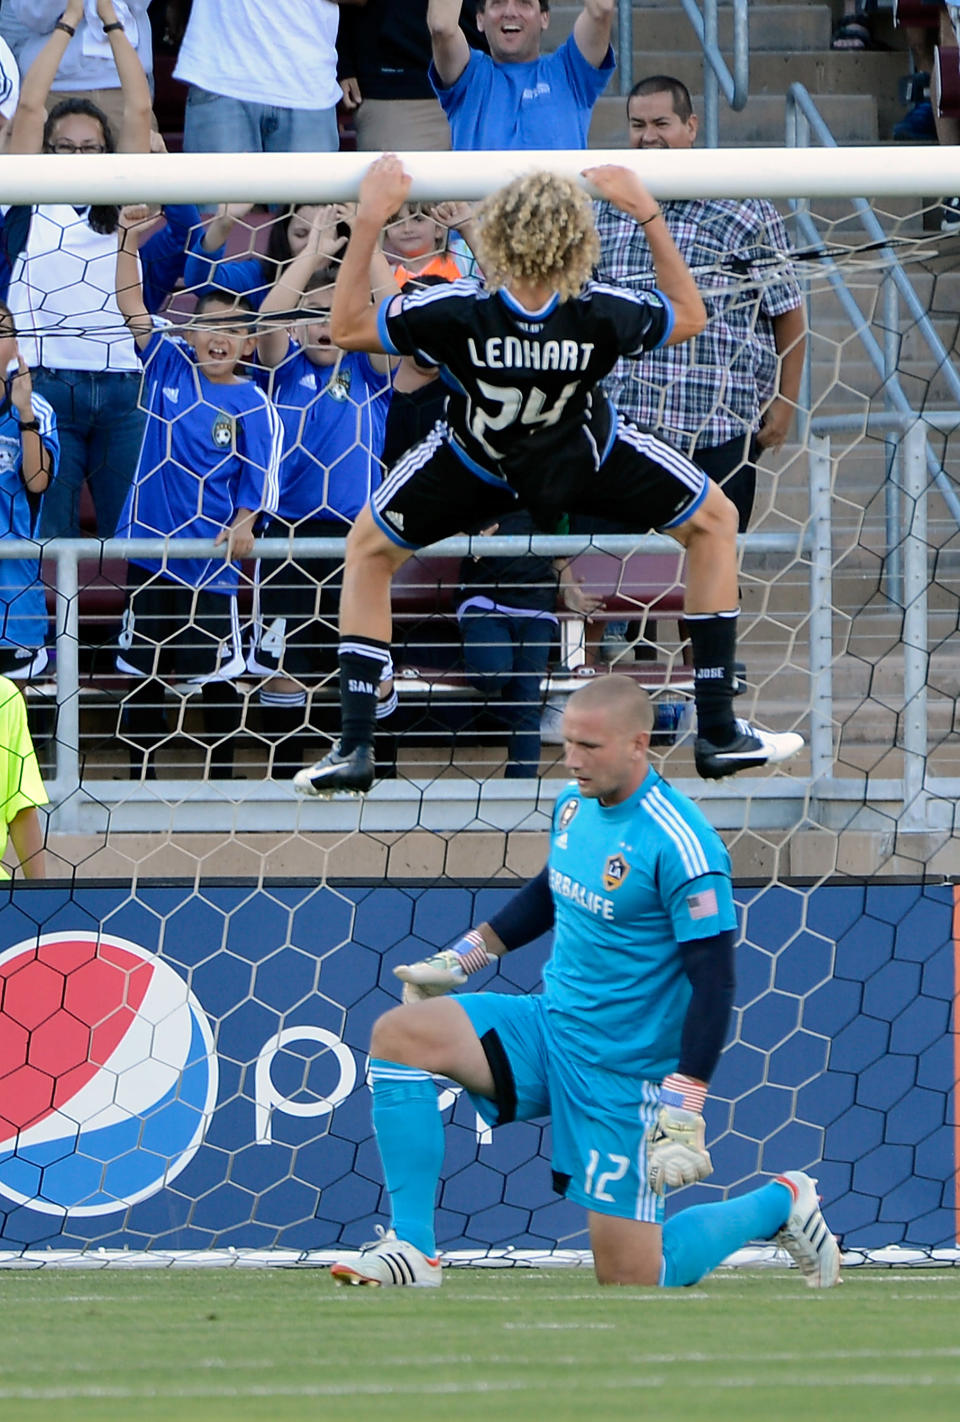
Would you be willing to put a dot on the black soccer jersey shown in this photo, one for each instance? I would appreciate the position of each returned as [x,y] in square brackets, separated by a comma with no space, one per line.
[523,400]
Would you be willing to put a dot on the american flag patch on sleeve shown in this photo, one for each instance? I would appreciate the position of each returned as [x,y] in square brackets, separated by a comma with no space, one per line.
[702,905]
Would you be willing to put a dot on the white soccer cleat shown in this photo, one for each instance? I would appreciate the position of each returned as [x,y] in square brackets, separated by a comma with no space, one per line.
[750,749]
[388,1260]
[805,1235]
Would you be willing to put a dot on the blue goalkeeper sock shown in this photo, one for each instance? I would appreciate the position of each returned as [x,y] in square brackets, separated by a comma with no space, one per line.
[697,1240]
[409,1135]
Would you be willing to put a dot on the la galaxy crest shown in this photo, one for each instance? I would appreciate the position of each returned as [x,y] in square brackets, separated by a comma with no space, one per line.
[615,871]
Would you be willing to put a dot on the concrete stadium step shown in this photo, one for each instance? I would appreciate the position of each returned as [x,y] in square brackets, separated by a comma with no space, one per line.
[660,29]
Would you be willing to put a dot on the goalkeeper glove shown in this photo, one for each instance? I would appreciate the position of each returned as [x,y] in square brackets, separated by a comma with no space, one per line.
[676,1154]
[444,971]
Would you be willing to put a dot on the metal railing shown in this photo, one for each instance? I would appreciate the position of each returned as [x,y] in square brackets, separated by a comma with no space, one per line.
[83,801]
[716,73]
[803,121]
[717,76]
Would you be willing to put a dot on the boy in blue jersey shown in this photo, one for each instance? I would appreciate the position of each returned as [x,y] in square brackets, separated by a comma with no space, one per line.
[207,469]
[333,405]
[618,1049]
[29,451]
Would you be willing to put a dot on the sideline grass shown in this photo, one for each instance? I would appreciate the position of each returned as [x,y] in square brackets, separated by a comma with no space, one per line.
[538,1345]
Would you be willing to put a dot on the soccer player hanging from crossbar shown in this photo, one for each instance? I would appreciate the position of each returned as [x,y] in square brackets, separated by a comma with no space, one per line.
[525,425]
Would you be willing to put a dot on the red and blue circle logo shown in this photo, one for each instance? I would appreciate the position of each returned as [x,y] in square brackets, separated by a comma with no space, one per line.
[108,1074]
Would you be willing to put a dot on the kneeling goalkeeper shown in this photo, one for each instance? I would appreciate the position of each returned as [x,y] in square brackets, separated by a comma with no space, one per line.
[619,1047]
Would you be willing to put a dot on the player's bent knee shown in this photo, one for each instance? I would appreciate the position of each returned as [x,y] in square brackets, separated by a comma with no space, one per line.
[367,544]
[625,1251]
[717,515]
[628,1278]
[391,1038]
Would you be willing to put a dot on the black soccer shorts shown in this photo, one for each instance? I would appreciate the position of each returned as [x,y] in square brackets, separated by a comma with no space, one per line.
[432,494]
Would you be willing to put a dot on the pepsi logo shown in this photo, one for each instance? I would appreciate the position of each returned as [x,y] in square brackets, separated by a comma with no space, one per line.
[108,1074]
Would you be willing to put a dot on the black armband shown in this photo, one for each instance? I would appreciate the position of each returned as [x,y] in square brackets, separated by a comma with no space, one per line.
[30,425]
[528,914]
[67,29]
[708,963]
[119,26]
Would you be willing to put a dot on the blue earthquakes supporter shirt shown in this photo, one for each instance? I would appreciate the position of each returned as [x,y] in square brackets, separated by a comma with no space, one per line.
[546,103]
[333,426]
[23,608]
[208,451]
[629,882]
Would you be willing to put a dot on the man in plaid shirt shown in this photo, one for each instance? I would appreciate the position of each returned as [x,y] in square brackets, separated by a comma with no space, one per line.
[731,393]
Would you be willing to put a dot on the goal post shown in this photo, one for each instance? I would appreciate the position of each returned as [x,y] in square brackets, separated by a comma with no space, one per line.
[185,1005]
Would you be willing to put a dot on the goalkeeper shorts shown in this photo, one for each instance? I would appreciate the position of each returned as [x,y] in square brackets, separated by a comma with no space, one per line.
[599,1154]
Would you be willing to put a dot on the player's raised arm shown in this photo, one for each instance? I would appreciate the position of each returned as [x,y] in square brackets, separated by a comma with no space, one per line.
[322,248]
[592,30]
[134,135]
[133,226]
[353,317]
[451,52]
[623,188]
[26,132]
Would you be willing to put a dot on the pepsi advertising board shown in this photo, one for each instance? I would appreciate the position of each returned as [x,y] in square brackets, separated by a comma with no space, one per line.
[183,1067]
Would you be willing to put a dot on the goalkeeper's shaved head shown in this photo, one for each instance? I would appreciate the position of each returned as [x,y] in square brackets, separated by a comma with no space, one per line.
[622,699]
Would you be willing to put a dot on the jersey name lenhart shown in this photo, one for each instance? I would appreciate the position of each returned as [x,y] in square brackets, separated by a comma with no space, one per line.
[519,353]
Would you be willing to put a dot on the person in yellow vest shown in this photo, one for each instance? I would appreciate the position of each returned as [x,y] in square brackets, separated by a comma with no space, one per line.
[21,787]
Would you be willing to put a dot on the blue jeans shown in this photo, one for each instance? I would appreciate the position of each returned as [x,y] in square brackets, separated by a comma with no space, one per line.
[505,658]
[215,123]
[100,424]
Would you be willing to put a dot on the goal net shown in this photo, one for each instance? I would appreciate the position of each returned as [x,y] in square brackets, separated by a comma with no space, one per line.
[186,1002]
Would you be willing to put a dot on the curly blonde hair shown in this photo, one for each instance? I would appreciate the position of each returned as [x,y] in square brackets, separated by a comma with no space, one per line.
[539,228]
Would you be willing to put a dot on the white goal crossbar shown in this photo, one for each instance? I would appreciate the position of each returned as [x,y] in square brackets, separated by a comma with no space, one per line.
[335,177]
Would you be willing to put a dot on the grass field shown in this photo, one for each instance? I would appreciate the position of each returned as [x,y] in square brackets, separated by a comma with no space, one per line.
[539,1345]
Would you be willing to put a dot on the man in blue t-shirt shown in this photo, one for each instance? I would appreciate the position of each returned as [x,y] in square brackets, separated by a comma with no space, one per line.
[617,1050]
[515,97]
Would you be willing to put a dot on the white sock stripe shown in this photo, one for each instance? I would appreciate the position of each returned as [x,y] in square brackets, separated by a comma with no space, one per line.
[386,706]
[706,616]
[363,649]
[396,1071]
[283,698]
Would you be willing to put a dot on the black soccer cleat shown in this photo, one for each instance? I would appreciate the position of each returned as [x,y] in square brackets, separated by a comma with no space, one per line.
[336,774]
[750,748]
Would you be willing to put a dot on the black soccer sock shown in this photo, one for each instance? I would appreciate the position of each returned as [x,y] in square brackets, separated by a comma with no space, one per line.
[222,714]
[713,638]
[362,660]
[282,716]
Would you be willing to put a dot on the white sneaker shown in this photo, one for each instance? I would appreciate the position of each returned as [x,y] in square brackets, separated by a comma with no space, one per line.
[388,1260]
[805,1235]
[750,748]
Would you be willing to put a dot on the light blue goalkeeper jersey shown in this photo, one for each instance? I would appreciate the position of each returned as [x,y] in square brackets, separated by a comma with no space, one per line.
[629,883]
